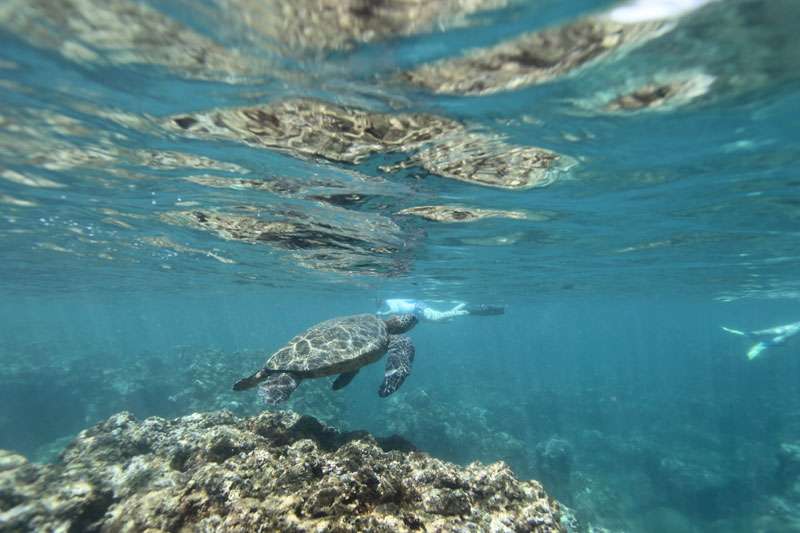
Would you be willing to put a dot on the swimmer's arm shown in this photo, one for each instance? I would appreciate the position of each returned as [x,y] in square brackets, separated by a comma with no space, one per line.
[437,316]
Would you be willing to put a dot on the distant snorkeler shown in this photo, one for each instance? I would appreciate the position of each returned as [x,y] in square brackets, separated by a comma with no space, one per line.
[779,336]
[424,311]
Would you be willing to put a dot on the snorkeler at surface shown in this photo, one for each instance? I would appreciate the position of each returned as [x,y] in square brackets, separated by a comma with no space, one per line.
[424,311]
[779,335]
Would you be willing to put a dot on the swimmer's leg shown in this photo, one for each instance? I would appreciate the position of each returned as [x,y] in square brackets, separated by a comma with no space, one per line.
[780,340]
[737,332]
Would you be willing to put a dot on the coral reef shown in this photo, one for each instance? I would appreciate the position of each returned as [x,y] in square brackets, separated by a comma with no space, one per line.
[554,462]
[693,483]
[590,470]
[277,471]
[53,394]
[783,508]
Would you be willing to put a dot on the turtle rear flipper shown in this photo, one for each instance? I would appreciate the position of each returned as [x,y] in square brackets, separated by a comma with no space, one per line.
[398,364]
[249,382]
[344,379]
[277,388]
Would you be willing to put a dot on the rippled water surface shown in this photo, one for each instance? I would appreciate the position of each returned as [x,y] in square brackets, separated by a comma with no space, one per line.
[212,143]
[221,174]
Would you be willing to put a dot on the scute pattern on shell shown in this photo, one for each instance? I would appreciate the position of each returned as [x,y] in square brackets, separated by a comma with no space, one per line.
[335,341]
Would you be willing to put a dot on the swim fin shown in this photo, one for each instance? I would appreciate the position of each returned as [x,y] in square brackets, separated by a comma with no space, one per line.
[485,309]
[756,349]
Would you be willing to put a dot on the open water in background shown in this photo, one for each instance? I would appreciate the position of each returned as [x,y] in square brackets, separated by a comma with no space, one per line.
[608,377]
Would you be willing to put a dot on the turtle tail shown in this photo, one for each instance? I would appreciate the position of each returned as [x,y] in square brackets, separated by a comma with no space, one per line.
[250,381]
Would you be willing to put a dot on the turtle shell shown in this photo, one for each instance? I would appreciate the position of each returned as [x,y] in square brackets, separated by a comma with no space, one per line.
[337,345]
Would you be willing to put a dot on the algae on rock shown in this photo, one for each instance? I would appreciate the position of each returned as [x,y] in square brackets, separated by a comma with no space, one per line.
[277,471]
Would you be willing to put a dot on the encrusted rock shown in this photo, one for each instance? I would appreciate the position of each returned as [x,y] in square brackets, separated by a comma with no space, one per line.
[276,471]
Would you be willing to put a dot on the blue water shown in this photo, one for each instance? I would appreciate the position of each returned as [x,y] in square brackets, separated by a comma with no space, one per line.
[608,377]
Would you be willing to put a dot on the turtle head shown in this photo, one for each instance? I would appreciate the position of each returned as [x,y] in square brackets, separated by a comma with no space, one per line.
[397,324]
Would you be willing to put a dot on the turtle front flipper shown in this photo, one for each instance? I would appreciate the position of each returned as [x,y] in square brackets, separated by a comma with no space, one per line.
[277,388]
[344,379]
[398,364]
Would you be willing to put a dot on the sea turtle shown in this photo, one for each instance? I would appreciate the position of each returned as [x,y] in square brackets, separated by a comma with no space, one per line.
[337,346]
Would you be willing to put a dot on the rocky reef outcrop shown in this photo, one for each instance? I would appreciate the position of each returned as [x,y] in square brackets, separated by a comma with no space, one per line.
[277,471]
[781,509]
[554,462]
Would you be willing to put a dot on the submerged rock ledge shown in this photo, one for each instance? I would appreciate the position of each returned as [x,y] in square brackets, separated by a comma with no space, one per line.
[277,471]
